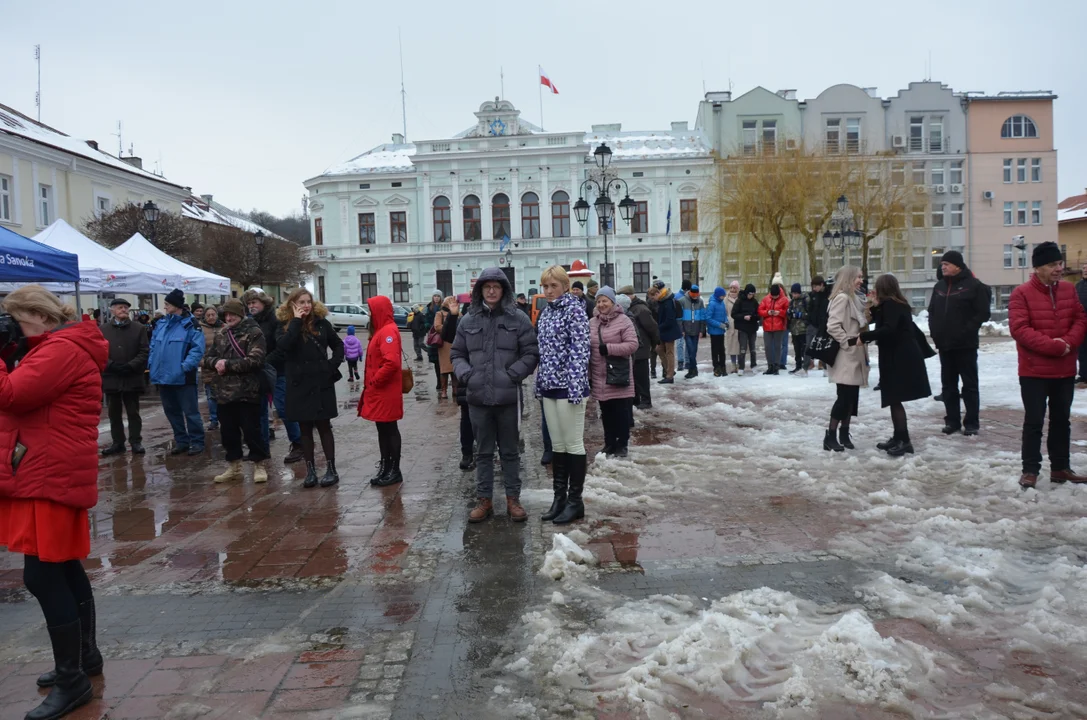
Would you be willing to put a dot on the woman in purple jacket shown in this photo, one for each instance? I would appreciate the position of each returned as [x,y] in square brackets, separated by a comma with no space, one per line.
[562,382]
[614,340]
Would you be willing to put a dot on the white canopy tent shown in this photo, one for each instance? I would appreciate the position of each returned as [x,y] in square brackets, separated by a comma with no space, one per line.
[193,280]
[102,270]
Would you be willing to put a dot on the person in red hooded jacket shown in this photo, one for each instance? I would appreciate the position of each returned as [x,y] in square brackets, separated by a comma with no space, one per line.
[1048,324]
[50,404]
[382,399]
[774,311]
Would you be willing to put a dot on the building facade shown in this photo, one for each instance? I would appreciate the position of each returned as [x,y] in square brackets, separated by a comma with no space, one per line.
[1072,232]
[406,219]
[46,175]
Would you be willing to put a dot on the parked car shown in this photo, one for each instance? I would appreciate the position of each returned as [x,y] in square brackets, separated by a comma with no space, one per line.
[400,315]
[343,315]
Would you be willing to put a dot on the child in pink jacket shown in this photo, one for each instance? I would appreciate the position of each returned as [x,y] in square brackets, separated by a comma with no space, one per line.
[352,351]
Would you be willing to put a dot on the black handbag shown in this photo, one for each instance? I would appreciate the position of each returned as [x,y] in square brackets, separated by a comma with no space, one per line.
[618,367]
[823,348]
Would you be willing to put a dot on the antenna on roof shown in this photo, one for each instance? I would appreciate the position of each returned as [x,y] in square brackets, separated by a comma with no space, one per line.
[703,64]
[403,93]
[502,82]
[305,206]
[120,143]
[38,94]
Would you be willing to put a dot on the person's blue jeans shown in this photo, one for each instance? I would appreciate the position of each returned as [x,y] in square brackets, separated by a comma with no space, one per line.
[182,409]
[279,396]
[785,351]
[681,353]
[690,345]
[213,407]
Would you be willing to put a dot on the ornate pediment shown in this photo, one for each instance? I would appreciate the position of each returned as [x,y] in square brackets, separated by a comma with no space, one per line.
[688,188]
[316,205]
[640,189]
[366,201]
[397,200]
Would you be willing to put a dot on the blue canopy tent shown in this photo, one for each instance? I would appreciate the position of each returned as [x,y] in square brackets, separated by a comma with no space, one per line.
[23,260]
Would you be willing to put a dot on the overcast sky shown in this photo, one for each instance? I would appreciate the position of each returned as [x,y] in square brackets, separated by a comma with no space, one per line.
[246,99]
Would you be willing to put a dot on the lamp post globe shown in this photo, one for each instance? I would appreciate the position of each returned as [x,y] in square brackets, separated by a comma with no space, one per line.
[828,240]
[843,204]
[259,238]
[626,208]
[602,155]
[581,210]
[150,212]
[605,208]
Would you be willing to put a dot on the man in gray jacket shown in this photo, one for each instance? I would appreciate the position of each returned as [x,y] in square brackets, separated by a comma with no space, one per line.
[494,352]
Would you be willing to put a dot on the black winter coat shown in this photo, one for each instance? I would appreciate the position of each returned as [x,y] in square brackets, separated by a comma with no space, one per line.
[1081,292]
[902,372]
[645,322]
[311,364]
[128,351]
[744,306]
[958,307]
[269,326]
[818,305]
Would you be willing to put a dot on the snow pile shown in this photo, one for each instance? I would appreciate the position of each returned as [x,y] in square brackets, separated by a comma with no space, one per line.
[990,328]
[565,558]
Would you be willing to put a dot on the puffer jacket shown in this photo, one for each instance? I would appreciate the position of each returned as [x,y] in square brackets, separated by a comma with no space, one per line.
[646,323]
[694,315]
[779,304]
[241,380]
[494,350]
[1038,315]
[668,317]
[617,332]
[269,325]
[51,403]
[563,333]
[956,310]
[746,307]
[798,316]
[177,345]
[382,398]
[717,313]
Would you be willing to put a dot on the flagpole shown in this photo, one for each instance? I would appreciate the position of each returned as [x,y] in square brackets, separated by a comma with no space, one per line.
[539,83]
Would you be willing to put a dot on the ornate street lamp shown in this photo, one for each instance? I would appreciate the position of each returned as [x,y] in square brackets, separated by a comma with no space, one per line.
[603,179]
[581,210]
[258,238]
[602,155]
[151,216]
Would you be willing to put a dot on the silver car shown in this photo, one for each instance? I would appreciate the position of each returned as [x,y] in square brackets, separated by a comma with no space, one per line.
[343,315]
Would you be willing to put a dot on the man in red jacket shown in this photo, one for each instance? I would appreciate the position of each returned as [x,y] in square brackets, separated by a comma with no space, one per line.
[1048,324]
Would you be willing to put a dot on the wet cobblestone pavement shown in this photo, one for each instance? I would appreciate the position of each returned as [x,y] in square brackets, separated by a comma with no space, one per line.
[247,601]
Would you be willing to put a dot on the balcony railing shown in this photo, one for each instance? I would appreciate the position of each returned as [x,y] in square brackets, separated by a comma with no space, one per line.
[928,144]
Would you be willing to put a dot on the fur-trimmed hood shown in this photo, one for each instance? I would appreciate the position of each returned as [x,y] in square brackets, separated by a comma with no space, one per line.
[285,313]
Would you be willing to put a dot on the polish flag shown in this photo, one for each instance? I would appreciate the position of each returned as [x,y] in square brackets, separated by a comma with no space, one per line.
[546,82]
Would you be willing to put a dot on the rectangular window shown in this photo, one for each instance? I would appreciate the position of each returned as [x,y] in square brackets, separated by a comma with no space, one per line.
[5,198]
[938,173]
[367,229]
[398,227]
[898,174]
[1009,218]
[1021,213]
[1023,258]
[607,274]
[45,204]
[917,298]
[1009,258]
[919,263]
[936,135]
[688,216]
[560,215]
[752,267]
[101,205]
[687,272]
[732,264]
[364,186]
[1007,170]
[472,224]
[1021,170]
[321,288]
[917,133]
[530,217]
[899,258]
[917,216]
[832,136]
[875,259]
[956,173]
[641,277]
[956,214]
[918,172]
[369,286]
[750,137]
[769,136]
[401,291]
[1035,169]
[443,279]
[640,222]
[937,215]
[318,231]
[853,135]
[1036,212]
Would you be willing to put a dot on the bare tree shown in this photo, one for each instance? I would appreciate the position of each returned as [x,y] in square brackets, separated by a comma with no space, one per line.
[173,234]
[234,252]
[877,197]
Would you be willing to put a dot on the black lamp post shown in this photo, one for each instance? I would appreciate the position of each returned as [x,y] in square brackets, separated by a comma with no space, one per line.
[259,239]
[602,178]
[842,232]
[1021,246]
[151,216]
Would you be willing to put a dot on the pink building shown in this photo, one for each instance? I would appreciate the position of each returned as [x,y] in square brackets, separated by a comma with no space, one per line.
[1012,171]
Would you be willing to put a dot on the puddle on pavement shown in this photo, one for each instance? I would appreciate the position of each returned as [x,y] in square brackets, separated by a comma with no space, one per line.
[643,435]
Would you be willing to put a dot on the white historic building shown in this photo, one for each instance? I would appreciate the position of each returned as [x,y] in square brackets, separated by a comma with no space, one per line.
[405,219]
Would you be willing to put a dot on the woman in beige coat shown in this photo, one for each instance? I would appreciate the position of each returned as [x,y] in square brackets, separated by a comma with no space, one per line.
[732,335]
[845,323]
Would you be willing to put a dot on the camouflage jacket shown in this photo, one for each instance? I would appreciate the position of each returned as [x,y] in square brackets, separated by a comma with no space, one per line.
[241,381]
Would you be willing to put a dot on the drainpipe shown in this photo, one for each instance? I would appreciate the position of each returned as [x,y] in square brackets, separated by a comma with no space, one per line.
[969,190]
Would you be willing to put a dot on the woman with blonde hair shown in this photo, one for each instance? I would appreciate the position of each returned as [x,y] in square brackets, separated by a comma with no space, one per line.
[50,405]
[845,323]
[445,322]
[311,353]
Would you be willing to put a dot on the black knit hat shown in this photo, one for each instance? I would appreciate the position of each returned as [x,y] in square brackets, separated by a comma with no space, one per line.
[1045,253]
[577,284]
[749,289]
[954,257]
[176,298]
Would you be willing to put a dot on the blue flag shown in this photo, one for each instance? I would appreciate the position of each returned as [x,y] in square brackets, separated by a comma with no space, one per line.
[668,224]
[505,241]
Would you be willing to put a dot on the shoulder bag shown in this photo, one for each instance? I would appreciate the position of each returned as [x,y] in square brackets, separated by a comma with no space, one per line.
[823,347]
[618,367]
[407,379]
[267,374]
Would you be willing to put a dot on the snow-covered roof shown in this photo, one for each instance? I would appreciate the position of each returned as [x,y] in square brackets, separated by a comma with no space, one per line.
[13,122]
[387,158]
[1073,208]
[661,145]
[197,208]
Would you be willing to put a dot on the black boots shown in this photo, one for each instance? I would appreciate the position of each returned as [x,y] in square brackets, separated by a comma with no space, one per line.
[575,508]
[71,686]
[466,461]
[382,468]
[843,437]
[901,447]
[392,474]
[331,476]
[831,443]
[889,444]
[114,449]
[311,475]
[92,658]
[560,469]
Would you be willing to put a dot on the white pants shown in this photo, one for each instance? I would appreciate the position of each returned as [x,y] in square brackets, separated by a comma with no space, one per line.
[566,425]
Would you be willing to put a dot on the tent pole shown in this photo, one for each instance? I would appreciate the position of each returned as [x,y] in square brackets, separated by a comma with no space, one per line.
[78,304]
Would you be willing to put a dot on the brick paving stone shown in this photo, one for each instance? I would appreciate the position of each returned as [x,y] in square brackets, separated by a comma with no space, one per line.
[321,674]
[310,699]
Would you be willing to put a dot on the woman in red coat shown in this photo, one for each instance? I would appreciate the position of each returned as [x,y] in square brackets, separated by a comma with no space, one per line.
[774,311]
[50,404]
[382,400]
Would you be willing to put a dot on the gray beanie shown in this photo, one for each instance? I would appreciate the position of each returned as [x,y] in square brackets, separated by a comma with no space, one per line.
[624,301]
[607,292]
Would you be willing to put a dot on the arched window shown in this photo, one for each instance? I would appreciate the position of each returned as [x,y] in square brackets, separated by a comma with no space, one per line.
[560,214]
[472,229]
[1019,126]
[500,216]
[530,215]
[443,220]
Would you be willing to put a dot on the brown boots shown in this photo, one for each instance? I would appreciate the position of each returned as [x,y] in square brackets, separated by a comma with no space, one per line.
[514,509]
[484,509]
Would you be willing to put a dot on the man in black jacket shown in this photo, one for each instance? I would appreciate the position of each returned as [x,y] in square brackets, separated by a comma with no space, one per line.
[956,311]
[123,380]
[646,320]
[263,309]
[1081,293]
[818,304]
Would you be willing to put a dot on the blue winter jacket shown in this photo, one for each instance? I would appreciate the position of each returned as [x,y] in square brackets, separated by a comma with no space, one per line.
[717,314]
[668,318]
[177,345]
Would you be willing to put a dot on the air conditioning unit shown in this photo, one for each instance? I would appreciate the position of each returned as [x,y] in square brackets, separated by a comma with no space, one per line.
[790,144]
[921,189]
[956,188]
[939,189]
[898,141]
[987,195]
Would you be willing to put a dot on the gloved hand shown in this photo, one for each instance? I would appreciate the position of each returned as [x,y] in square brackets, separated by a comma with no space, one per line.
[604,349]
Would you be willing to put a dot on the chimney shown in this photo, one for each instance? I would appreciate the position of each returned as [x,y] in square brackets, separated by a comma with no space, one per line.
[136,162]
[679,126]
[206,198]
[93,143]
[872,92]
[608,128]
[398,139]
